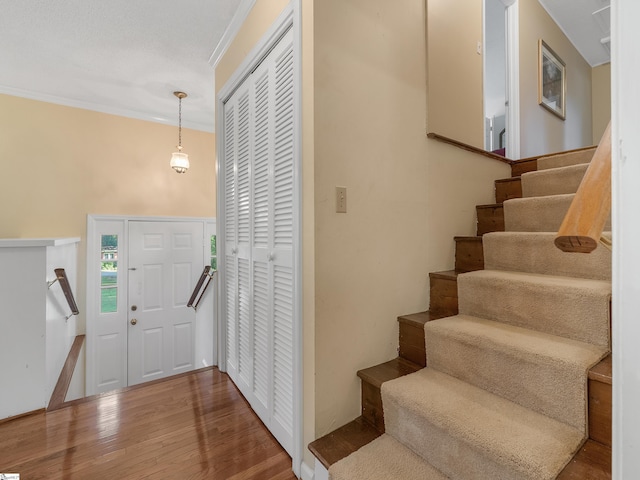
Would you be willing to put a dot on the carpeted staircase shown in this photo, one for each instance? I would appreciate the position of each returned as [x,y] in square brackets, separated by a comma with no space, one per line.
[504,394]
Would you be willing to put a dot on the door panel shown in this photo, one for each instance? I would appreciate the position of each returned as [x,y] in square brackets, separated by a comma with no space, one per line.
[182,351]
[182,273]
[164,262]
[108,354]
[152,343]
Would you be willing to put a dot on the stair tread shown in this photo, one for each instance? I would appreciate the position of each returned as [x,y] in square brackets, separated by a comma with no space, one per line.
[544,279]
[526,342]
[383,459]
[445,274]
[602,372]
[593,462]
[490,205]
[536,445]
[386,371]
[508,361]
[522,251]
[579,167]
[549,172]
[344,441]
[419,319]
[537,301]
[567,158]
[537,214]
[471,238]
[509,179]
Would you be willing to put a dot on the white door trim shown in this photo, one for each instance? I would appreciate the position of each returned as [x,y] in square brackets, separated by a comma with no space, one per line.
[92,252]
[625,170]
[289,18]
[513,80]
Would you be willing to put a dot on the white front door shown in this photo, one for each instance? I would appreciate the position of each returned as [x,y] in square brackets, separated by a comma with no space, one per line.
[165,261]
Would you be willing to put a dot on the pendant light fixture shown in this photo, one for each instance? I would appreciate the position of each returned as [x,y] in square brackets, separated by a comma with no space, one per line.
[179,160]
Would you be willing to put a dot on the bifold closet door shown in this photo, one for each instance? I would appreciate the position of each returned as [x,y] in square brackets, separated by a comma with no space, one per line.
[259,239]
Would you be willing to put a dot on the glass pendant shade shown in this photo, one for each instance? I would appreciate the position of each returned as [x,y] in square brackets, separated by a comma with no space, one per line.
[180,162]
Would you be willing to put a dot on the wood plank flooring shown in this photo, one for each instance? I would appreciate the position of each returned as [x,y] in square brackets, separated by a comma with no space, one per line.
[194,426]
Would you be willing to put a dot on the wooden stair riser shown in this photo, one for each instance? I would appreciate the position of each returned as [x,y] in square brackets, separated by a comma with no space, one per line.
[443,294]
[411,336]
[411,344]
[508,188]
[469,254]
[490,218]
[372,410]
[372,379]
[600,412]
[525,166]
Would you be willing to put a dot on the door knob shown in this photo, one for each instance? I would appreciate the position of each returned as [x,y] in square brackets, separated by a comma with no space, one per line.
[133,321]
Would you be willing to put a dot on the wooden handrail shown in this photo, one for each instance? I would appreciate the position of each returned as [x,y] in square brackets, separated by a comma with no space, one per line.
[584,222]
[480,151]
[469,148]
[64,380]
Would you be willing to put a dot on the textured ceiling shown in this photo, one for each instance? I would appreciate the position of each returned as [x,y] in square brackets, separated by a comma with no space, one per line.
[586,23]
[124,57]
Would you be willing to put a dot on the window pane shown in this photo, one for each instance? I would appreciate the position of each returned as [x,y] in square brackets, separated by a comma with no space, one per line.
[109,300]
[110,242]
[213,246]
[109,274]
[214,263]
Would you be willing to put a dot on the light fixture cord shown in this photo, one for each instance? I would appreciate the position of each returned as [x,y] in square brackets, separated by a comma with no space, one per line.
[180,124]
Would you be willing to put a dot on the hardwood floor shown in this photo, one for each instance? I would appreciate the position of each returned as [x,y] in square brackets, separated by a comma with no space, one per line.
[194,426]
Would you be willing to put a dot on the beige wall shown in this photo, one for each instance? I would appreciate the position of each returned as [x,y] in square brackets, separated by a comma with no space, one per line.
[407,196]
[600,99]
[67,162]
[455,70]
[542,131]
[261,17]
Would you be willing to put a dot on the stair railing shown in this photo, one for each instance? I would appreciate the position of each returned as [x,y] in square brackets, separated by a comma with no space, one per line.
[582,227]
[61,277]
[198,292]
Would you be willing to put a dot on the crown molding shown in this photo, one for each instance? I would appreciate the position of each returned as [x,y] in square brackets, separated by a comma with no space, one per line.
[232,30]
[97,107]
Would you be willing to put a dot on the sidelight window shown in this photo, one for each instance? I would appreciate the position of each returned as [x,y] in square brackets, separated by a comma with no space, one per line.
[109,274]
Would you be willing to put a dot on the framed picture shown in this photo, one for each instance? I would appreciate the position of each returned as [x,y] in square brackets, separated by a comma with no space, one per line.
[552,82]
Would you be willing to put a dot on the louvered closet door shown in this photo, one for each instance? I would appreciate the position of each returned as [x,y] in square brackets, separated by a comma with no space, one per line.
[259,253]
